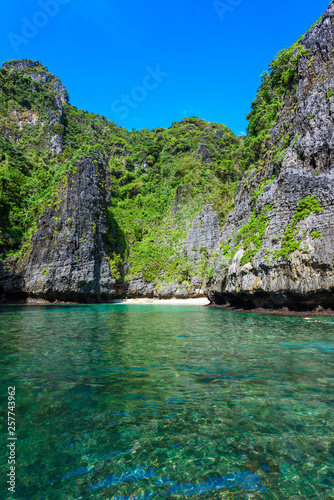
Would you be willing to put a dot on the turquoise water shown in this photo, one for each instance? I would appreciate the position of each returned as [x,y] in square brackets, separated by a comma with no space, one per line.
[168,402]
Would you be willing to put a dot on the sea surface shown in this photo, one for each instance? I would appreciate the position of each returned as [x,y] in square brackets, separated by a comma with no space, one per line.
[136,402]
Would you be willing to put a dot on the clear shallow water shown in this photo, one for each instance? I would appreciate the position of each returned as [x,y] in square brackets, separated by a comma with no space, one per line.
[168,402]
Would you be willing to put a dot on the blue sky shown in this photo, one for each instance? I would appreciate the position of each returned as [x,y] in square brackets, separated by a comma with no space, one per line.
[147,64]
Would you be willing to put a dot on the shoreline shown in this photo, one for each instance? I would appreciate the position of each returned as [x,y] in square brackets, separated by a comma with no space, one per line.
[201,301]
[283,311]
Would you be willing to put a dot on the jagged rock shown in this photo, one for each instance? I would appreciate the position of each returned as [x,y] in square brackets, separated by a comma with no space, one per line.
[38,73]
[56,144]
[203,235]
[55,116]
[68,257]
[138,287]
[204,232]
[203,153]
[70,250]
[304,279]
[181,197]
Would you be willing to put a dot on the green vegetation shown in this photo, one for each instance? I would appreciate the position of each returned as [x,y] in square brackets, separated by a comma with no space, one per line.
[252,233]
[276,86]
[289,244]
[249,237]
[159,179]
[295,139]
[164,170]
[150,172]
[115,262]
[209,274]
[255,194]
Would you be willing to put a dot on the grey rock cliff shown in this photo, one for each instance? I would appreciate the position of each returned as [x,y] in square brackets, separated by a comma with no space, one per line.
[68,256]
[73,246]
[55,116]
[305,278]
[202,236]
[40,74]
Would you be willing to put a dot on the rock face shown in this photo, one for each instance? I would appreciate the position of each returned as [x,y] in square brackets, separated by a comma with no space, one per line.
[294,265]
[306,278]
[202,237]
[40,74]
[68,258]
[53,116]
[94,241]
[155,231]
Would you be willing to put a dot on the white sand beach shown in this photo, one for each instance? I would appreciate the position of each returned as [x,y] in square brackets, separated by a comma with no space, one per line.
[203,301]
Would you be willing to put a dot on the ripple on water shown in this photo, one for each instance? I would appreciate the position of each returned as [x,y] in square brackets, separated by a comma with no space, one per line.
[162,402]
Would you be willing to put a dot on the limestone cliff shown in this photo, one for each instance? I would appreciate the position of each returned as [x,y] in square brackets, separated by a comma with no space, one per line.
[277,247]
[196,245]
[47,118]
[108,213]
[67,258]
[90,212]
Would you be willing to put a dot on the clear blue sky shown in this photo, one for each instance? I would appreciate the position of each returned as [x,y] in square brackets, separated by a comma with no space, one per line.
[209,57]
